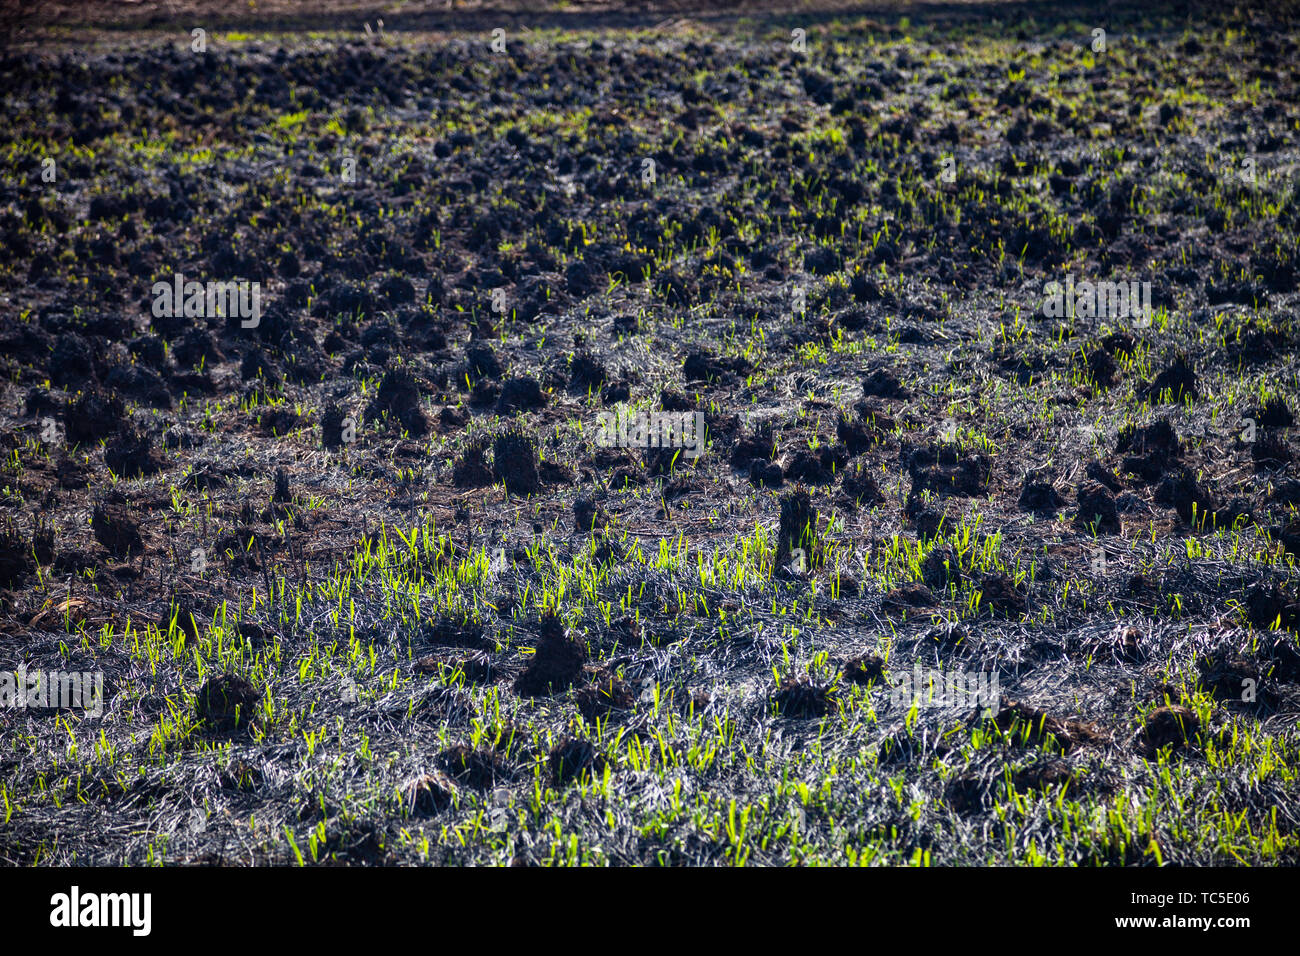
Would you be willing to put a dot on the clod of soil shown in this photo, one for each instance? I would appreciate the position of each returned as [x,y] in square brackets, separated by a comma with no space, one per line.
[700,366]
[949,637]
[1270,452]
[1154,450]
[663,462]
[586,372]
[946,469]
[856,436]
[1284,655]
[798,527]
[454,633]
[811,469]
[1288,535]
[1099,473]
[968,794]
[1097,513]
[883,383]
[471,469]
[93,415]
[1176,383]
[478,769]
[802,697]
[333,426]
[182,615]
[114,527]
[1274,413]
[481,362]
[227,702]
[864,669]
[760,445]
[1052,774]
[1175,727]
[571,758]
[941,568]
[1000,595]
[1039,494]
[1130,646]
[520,395]
[281,494]
[1022,723]
[587,515]
[14,558]
[428,794]
[765,474]
[555,665]
[1099,366]
[514,462]
[131,455]
[399,397]
[476,668]
[71,474]
[1194,504]
[607,695]
[909,597]
[1231,677]
[860,488]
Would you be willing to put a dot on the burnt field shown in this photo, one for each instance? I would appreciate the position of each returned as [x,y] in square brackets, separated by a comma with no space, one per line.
[854,436]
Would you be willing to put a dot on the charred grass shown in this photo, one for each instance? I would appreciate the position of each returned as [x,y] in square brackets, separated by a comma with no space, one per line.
[365,589]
